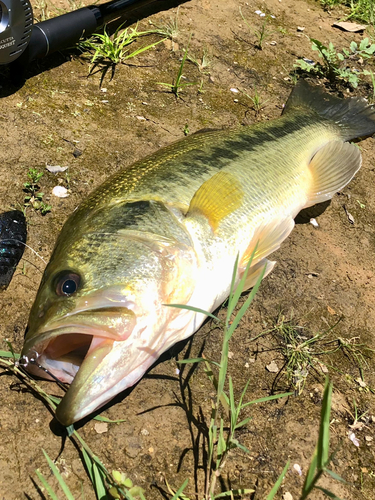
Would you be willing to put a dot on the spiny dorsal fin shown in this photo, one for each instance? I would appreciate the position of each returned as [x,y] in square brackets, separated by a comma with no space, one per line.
[218,197]
[332,168]
[266,240]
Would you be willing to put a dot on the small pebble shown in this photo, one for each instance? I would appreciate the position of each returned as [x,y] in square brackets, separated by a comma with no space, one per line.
[314,222]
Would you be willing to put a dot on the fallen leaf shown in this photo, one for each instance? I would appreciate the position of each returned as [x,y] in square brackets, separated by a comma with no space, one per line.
[353,439]
[298,469]
[272,367]
[361,382]
[55,169]
[352,27]
[357,426]
[349,215]
[331,311]
[101,427]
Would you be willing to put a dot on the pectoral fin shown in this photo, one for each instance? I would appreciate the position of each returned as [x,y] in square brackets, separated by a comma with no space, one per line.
[218,197]
[332,168]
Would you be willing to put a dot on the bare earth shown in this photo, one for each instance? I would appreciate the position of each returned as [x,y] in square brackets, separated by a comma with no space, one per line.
[323,274]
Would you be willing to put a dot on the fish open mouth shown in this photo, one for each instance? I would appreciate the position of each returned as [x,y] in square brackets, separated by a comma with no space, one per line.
[63,355]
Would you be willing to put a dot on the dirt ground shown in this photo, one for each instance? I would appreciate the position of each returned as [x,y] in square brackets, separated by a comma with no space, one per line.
[323,274]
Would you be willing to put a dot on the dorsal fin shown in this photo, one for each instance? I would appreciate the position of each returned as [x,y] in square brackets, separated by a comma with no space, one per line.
[354,115]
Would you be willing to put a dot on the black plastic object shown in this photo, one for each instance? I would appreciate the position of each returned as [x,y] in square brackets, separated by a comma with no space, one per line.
[65,31]
[13,234]
[16,23]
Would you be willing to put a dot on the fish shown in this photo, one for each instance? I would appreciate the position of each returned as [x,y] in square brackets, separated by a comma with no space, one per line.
[169,229]
[13,235]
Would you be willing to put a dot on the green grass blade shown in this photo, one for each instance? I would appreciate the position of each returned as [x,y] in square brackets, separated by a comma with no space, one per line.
[335,476]
[323,440]
[246,305]
[309,481]
[231,302]
[180,490]
[143,49]
[58,476]
[197,360]
[231,493]
[108,420]
[237,292]
[99,484]
[242,423]
[88,464]
[277,485]
[268,398]
[48,488]
[7,354]
[328,493]
[194,309]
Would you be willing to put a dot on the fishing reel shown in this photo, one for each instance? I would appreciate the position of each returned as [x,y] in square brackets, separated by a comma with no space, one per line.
[21,41]
[16,23]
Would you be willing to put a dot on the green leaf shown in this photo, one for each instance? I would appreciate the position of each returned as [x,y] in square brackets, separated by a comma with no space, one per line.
[58,476]
[353,47]
[277,485]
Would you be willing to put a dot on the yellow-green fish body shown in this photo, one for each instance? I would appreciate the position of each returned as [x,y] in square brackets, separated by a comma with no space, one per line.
[168,230]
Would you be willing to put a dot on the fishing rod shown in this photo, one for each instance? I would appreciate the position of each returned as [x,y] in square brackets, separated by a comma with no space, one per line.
[22,41]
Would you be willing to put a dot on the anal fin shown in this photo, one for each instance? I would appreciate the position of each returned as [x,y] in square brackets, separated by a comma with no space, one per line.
[332,168]
[256,270]
[266,240]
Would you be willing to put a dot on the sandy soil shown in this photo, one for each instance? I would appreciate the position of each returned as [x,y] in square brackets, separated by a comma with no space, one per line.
[323,274]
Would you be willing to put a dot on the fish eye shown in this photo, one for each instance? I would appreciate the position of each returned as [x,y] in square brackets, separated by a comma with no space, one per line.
[67,283]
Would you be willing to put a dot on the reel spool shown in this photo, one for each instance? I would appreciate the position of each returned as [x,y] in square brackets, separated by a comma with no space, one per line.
[16,23]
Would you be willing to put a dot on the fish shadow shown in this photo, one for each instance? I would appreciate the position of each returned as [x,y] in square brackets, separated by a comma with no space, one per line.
[306,214]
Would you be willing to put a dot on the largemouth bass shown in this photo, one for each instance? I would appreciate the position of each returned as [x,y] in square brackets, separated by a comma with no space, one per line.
[168,230]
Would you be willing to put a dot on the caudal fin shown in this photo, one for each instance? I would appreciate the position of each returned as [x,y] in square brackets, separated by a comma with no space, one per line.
[354,115]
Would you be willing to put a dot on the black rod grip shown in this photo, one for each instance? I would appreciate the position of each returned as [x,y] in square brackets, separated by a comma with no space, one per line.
[63,31]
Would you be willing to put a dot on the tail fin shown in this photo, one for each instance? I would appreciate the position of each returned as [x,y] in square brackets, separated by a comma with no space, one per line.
[354,115]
